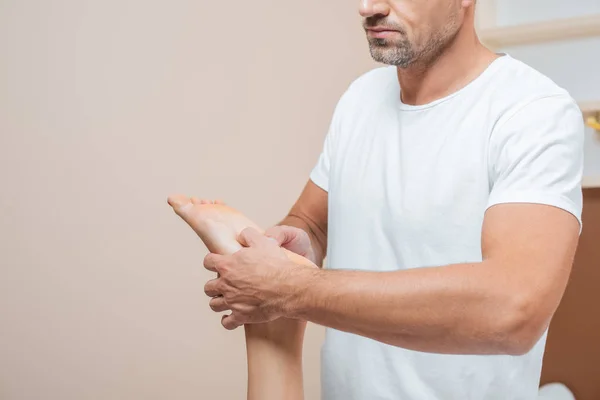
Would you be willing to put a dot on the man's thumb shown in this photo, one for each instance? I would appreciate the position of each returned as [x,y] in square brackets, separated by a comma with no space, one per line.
[277,234]
[251,237]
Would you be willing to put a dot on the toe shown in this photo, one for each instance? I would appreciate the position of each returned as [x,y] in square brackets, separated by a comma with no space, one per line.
[196,200]
[179,202]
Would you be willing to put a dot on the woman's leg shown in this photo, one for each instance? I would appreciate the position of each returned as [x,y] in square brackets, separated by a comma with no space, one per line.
[274,349]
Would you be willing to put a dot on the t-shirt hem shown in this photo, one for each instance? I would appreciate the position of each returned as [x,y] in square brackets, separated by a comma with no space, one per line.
[319,180]
[561,202]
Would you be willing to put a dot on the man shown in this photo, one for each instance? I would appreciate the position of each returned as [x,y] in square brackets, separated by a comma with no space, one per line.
[447,199]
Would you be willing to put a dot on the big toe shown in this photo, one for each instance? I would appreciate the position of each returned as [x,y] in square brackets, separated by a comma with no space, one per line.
[180,203]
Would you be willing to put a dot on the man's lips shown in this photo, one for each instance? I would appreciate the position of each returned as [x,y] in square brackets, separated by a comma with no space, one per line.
[381,32]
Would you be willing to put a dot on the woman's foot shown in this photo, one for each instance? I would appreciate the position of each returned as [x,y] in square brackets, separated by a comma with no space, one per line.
[217,224]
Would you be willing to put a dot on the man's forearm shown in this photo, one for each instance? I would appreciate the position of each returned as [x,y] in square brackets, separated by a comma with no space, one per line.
[317,238]
[464,308]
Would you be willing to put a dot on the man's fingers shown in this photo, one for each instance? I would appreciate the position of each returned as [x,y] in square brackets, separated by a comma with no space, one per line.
[212,261]
[218,304]
[230,322]
[212,288]
[279,234]
[291,238]
[287,234]
[250,237]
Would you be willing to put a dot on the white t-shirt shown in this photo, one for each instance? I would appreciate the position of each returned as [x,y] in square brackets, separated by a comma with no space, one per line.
[408,187]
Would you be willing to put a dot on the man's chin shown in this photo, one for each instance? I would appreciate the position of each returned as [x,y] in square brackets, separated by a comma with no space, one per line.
[389,56]
[382,57]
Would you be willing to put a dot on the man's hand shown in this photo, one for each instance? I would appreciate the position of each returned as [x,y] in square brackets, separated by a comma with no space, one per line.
[257,283]
[293,239]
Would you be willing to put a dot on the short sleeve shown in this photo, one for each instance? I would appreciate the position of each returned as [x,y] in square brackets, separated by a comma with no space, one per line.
[536,155]
[320,172]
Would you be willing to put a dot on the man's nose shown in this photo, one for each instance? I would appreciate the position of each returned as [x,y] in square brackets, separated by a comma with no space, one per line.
[369,8]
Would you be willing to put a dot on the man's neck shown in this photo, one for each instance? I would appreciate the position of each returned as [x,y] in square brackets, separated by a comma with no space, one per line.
[459,64]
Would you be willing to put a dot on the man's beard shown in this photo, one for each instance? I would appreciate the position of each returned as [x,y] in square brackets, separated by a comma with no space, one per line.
[399,53]
[403,53]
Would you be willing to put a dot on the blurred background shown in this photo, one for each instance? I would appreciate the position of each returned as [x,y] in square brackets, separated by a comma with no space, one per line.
[107,107]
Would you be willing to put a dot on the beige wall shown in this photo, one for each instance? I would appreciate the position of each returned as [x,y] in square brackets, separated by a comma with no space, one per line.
[106,107]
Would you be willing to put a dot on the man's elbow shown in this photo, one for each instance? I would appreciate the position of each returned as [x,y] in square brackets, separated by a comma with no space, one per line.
[523,326]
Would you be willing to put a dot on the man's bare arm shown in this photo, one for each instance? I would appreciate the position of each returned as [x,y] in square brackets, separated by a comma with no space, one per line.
[309,213]
[501,305]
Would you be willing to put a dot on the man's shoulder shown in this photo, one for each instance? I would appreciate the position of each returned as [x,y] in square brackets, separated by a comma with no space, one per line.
[519,85]
[530,110]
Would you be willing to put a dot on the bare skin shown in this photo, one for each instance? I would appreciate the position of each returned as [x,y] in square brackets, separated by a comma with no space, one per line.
[274,349]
